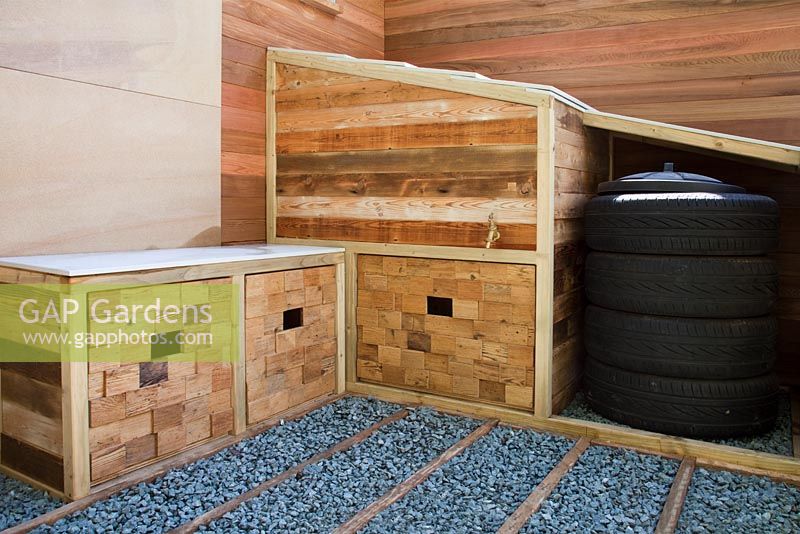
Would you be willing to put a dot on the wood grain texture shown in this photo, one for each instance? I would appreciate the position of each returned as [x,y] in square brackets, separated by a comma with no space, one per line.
[287,364]
[581,163]
[713,64]
[248,28]
[146,411]
[483,351]
[388,162]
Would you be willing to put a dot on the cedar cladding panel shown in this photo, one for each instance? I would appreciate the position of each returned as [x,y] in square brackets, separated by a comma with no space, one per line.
[581,163]
[285,367]
[632,157]
[248,28]
[378,161]
[140,412]
[723,66]
[483,352]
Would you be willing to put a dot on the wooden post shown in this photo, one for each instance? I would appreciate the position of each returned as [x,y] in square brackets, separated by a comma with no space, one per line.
[271,159]
[350,303]
[341,328]
[75,404]
[238,386]
[545,228]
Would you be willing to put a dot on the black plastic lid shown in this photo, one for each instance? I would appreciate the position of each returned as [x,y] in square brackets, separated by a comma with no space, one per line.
[667,181]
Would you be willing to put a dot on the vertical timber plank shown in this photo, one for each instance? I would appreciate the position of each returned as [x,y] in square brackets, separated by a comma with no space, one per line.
[341,328]
[75,405]
[350,301]
[238,385]
[271,160]
[545,228]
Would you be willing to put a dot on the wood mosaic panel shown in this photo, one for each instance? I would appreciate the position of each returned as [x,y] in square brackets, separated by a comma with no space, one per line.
[484,351]
[140,412]
[290,346]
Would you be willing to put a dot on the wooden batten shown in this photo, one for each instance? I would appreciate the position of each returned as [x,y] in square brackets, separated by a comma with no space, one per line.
[75,395]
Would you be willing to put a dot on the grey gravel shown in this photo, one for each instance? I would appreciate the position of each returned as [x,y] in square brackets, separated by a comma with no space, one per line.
[183,494]
[20,502]
[608,490]
[477,490]
[720,501]
[330,492]
[776,441]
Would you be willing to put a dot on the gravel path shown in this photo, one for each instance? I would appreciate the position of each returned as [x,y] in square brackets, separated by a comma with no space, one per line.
[330,492]
[608,490]
[719,501]
[477,490]
[20,502]
[777,441]
[184,493]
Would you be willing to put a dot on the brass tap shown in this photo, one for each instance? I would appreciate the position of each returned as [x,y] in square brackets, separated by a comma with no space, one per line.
[494,233]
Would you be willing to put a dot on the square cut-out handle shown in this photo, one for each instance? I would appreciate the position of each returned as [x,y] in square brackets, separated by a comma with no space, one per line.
[440,306]
[293,318]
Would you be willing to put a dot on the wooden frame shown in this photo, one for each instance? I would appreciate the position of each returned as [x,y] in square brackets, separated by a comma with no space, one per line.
[544,98]
[75,419]
[334,7]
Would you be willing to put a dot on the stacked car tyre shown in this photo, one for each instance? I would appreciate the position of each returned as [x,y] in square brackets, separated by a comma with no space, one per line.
[678,332]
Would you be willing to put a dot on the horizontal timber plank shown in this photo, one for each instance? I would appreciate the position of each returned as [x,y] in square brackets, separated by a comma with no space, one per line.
[513,236]
[488,184]
[360,93]
[450,209]
[452,159]
[455,108]
[444,134]
[496,255]
[647,35]
[506,20]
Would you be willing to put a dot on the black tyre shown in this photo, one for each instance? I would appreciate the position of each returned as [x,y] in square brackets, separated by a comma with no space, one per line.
[683,407]
[681,348]
[683,223]
[682,286]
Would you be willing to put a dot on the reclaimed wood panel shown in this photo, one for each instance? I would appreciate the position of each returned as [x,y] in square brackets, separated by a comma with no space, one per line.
[374,161]
[289,361]
[482,350]
[700,64]
[784,186]
[248,28]
[581,163]
[147,409]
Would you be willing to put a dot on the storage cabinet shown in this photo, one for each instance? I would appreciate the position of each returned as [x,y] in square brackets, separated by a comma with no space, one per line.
[291,346]
[94,413]
[457,328]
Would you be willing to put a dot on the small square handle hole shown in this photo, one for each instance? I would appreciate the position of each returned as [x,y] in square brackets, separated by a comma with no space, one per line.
[293,318]
[440,306]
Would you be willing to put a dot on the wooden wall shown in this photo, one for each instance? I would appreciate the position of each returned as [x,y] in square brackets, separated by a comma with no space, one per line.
[727,66]
[385,162]
[581,163]
[110,114]
[248,28]
[631,157]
